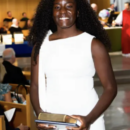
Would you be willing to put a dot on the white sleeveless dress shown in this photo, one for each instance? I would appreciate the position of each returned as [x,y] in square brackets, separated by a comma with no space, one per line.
[66,71]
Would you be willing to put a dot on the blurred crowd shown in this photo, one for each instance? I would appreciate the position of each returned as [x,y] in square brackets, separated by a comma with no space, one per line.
[11,24]
[110,17]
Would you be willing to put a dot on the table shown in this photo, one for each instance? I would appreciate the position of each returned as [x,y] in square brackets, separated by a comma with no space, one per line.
[114,34]
[21,50]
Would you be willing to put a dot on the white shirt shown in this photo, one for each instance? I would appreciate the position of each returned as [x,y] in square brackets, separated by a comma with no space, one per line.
[119,19]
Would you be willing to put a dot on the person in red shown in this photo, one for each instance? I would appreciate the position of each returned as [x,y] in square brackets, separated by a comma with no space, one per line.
[123,19]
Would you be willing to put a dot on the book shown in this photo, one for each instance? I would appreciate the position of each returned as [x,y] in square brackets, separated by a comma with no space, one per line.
[58,119]
[58,125]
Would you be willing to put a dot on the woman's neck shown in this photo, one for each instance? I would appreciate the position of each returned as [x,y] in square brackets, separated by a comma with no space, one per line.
[65,33]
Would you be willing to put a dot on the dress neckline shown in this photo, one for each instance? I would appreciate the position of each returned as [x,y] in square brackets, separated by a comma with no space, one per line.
[65,38]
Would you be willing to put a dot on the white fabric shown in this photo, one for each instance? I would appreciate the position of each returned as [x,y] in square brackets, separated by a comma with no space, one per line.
[68,67]
[13,25]
[2,48]
[119,19]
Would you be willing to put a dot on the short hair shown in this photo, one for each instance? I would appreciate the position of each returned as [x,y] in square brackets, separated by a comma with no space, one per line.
[127,3]
[8,12]
[9,55]
[111,4]
[23,13]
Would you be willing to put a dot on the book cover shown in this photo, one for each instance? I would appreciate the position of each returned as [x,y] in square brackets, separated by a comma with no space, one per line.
[58,119]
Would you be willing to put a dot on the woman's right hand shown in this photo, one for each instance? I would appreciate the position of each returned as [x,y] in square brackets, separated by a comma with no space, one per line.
[23,127]
[41,126]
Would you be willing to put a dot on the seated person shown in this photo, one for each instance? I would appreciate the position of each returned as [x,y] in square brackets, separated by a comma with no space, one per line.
[14,74]
[20,127]
[27,25]
[4,28]
[111,8]
[9,17]
[94,7]
[104,15]
[112,17]
[15,27]
[24,17]
[5,94]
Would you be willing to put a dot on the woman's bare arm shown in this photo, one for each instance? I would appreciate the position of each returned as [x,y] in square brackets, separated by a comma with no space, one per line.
[106,76]
[7,97]
[34,85]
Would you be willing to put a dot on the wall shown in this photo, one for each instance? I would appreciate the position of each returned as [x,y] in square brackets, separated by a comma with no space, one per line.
[17,7]
[120,4]
[102,4]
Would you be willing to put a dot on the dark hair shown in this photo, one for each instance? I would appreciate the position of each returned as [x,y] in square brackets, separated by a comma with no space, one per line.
[86,22]
[127,3]
[111,4]
[8,12]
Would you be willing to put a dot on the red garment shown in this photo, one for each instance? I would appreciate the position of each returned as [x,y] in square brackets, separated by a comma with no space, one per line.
[126,32]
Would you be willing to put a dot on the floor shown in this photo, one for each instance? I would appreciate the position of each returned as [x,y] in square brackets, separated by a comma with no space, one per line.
[120,63]
[117,116]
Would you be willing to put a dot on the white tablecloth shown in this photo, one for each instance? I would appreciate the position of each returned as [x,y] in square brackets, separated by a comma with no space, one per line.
[2,48]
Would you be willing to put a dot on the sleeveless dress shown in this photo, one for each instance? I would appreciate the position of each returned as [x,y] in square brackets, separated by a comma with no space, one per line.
[66,71]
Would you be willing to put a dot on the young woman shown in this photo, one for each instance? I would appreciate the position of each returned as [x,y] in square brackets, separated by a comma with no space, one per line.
[64,63]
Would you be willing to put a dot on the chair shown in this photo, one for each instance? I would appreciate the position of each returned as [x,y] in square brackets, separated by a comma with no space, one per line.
[2,123]
[18,38]
[25,32]
[9,24]
[22,24]
[21,90]
[7,39]
[27,74]
[2,72]
[24,113]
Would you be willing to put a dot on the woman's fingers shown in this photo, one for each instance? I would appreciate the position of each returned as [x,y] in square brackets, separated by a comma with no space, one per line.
[45,126]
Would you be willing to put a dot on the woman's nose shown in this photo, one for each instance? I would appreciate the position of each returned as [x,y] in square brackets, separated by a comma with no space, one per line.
[63,10]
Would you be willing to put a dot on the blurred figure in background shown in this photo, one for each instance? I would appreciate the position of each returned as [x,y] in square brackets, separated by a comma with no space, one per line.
[14,74]
[94,7]
[123,19]
[104,15]
[9,17]
[27,25]
[15,27]
[24,17]
[111,8]
[4,29]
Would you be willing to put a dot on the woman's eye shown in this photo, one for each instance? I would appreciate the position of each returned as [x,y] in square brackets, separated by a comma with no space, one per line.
[57,7]
[70,6]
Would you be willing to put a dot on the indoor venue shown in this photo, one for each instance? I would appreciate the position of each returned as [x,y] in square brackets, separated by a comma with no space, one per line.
[26,64]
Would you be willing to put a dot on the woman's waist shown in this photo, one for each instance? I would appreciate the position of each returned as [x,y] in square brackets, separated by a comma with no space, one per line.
[72,101]
[69,84]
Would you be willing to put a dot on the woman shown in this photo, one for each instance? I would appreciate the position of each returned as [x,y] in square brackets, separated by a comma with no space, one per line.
[5,94]
[64,63]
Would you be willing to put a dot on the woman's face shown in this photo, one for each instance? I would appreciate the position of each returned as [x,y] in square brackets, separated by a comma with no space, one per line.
[64,13]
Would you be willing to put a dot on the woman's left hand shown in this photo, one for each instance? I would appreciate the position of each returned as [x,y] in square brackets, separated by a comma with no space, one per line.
[85,124]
